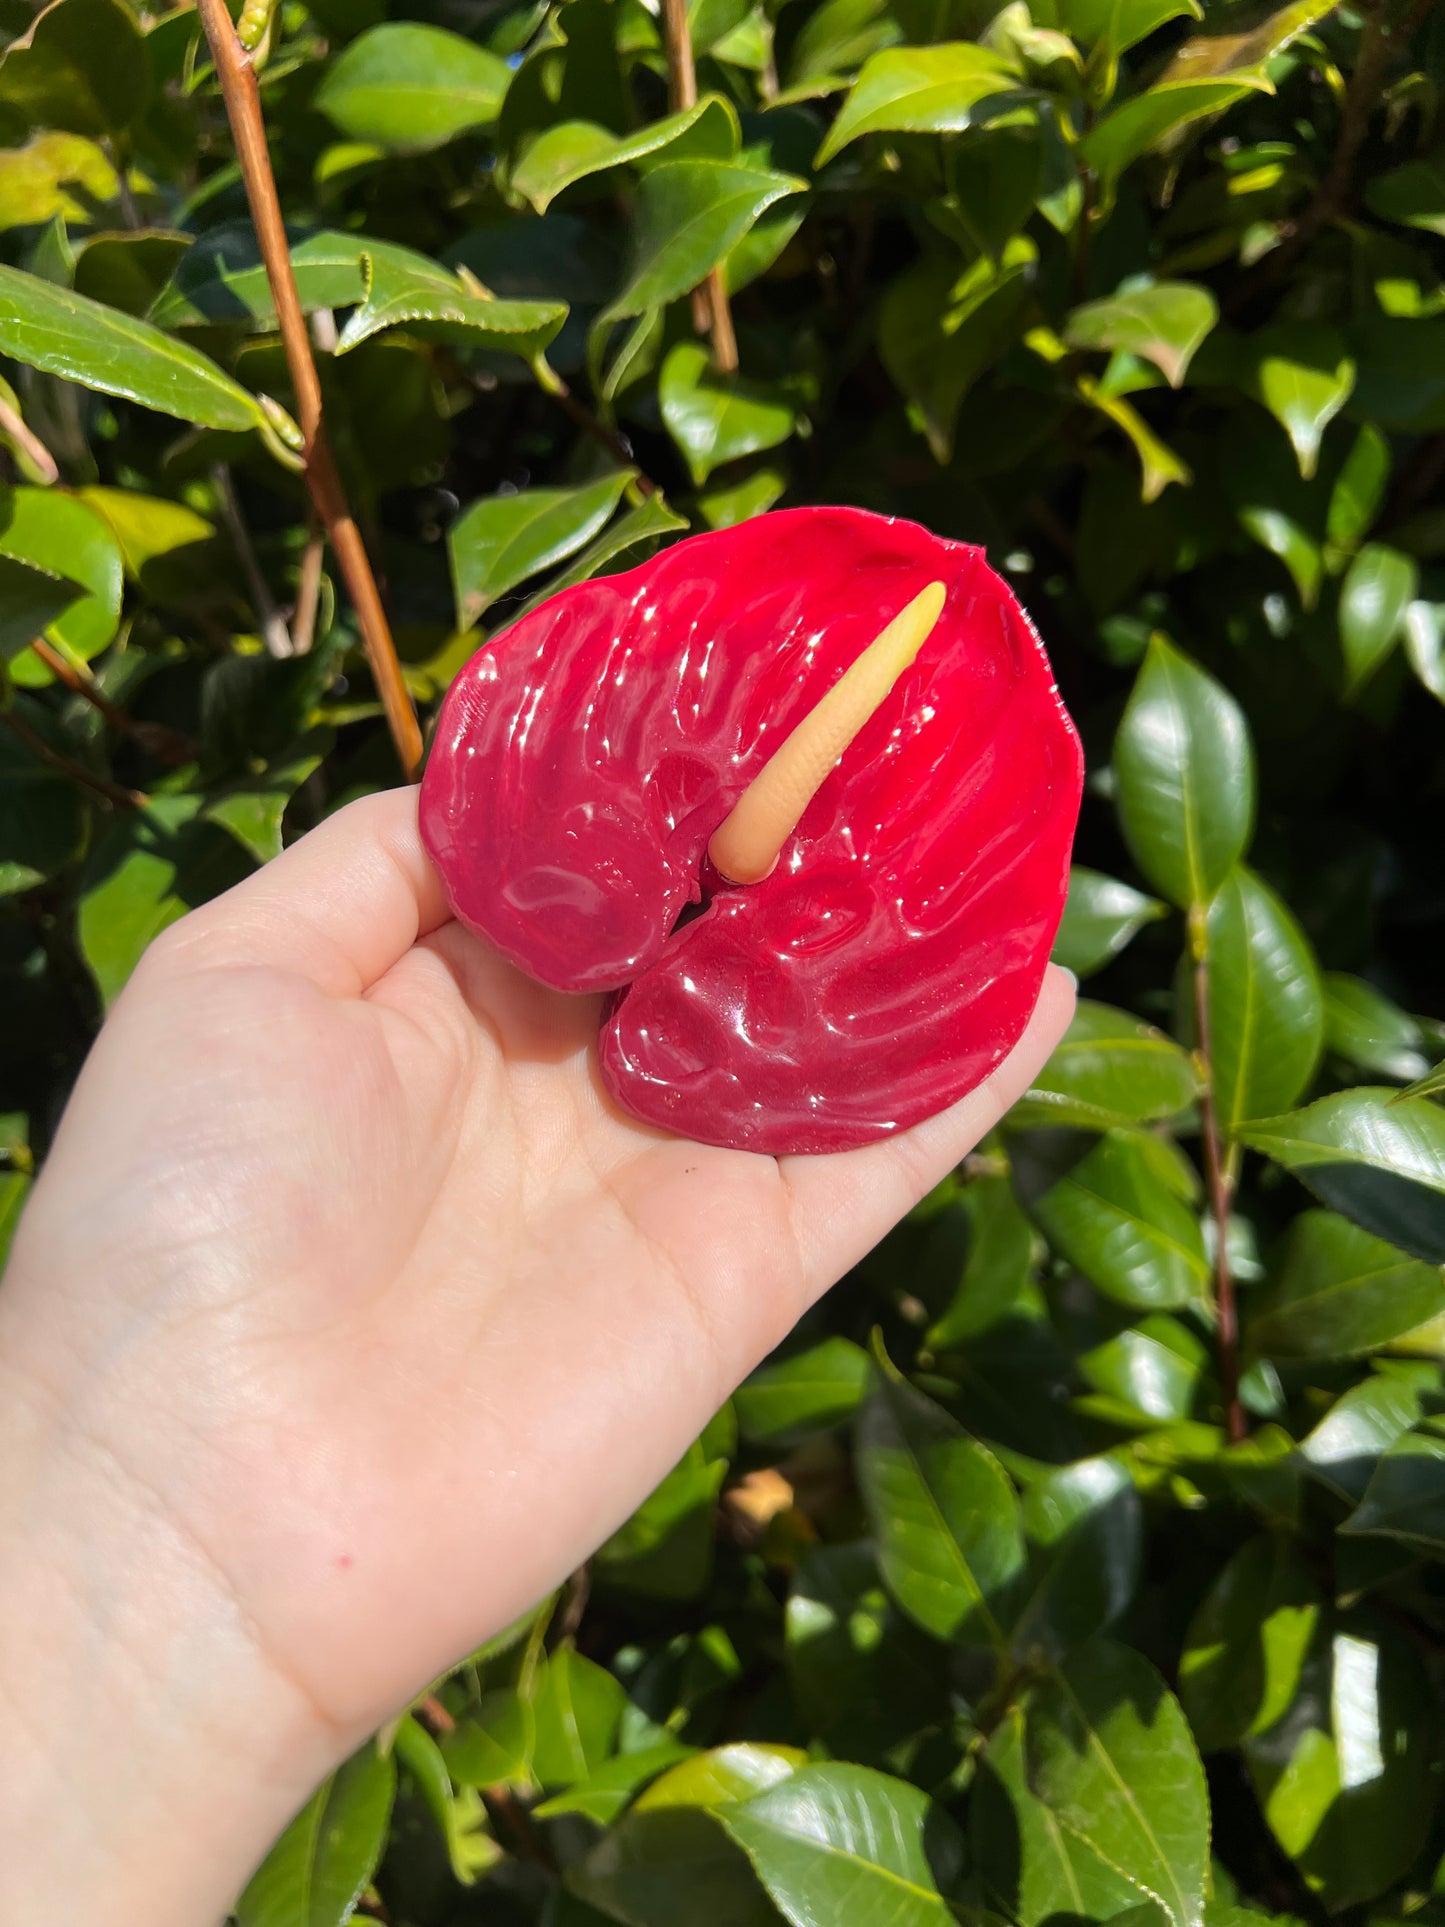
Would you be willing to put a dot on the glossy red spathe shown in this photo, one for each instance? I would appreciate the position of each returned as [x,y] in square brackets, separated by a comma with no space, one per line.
[586,754]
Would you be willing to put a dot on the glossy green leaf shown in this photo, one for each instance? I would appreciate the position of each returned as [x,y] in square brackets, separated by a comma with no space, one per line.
[995,175]
[1265,1002]
[1084,1525]
[689,215]
[1424,636]
[396,296]
[1348,1784]
[1159,466]
[253,806]
[722,1775]
[1164,323]
[835,40]
[460,1815]
[921,90]
[1359,489]
[665,1549]
[577,1707]
[1247,1644]
[715,418]
[1374,596]
[603,1795]
[1115,1221]
[1111,1069]
[1128,131]
[318,1870]
[80,65]
[562,155]
[841,1842]
[998,1261]
[1413,195]
[1102,915]
[1151,1373]
[1367,1030]
[1373,1155]
[410,87]
[807,1391]
[944,1516]
[221,277]
[1405,1498]
[502,540]
[1033,1869]
[643,524]
[670,1863]
[1344,1448]
[723,504]
[1110,1753]
[51,530]
[493,1742]
[64,334]
[31,598]
[1340,1291]
[1303,373]
[54,174]
[1185,771]
[1120,23]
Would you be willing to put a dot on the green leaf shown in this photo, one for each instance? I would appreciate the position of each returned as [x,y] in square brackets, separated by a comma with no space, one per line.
[1405,1498]
[1034,1869]
[322,1864]
[561,155]
[1413,195]
[31,598]
[53,174]
[62,333]
[1102,915]
[809,1391]
[922,90]
[1185,772]
[1120,24]
[1110,1752]
[1158,464]
[1247,1644]
[1345,1446]
[395,295]
[603,1795]
[1229,46]
[844,1843]
[1367,1030]
[1115,1220]
[940,330]
[1359,489]
[1128,131]
[461,1817]
[689,214]
[409,87]
[81,65]
[833,42]
[252,807]
[577,1709]
[665,1549]
[995,174]
[1110,1070]
[998,1265]
[722,505]
[1340,1292]
[1084,1526]
[44,820]
[862,1674]
[645,523]
[715,418]
[221,277]
[722,1775]
[501,540]
[945,1518]
[14,1190]
[1424,630]
[1151,1373]
[1348,1781]
[49,529]
[1374,596]
[151,868]
[1303,373]
[1265,1001]
[1372,1154]
[492,1743]
[667,1864]
[1163,323]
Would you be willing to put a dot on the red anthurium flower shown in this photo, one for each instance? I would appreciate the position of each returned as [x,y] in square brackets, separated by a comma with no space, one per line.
[586,755]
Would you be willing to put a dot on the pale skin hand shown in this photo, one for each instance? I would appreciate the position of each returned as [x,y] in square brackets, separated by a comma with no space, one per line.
[348,1317]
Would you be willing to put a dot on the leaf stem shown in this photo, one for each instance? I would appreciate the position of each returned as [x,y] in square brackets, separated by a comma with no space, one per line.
[73,772]
[1221,1196]
[682,89]
[15,430]
[582,416]
[248,129]
[308,590]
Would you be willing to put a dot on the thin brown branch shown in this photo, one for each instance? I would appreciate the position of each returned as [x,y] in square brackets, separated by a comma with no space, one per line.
[39,456]
[435,1714]
[711,308]
[248,129]
[274,632]
[308,590]
[574,1603]
[503,1806]
[578,412]
[1221,1197]
[73,772]
[165,744]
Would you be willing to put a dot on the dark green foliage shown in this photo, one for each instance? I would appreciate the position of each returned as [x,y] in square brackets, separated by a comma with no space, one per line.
[967,1607]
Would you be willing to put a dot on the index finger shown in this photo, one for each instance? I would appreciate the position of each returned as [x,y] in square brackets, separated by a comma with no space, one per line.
[340,906]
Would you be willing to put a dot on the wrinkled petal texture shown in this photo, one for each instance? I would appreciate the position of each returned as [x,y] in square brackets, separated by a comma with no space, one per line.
[585,756]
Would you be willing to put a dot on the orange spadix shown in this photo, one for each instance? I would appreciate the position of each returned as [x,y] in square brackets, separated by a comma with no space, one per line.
[746,844]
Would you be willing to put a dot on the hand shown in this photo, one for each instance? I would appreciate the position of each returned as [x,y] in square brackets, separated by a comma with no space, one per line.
[347,1318]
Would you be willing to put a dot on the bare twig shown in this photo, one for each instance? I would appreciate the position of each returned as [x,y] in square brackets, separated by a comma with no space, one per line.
[574,1603]
[167,745]
[504,1806]
[578,412]
[243,108]
[15,430]
[713,308]
[1221,1197]
[308,590]
[273,624]
[435,1714]
[66,766]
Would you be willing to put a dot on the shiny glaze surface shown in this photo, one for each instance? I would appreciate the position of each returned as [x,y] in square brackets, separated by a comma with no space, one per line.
[585,755]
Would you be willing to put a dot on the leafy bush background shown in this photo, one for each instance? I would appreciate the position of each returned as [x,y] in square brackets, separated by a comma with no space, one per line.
[999,1621]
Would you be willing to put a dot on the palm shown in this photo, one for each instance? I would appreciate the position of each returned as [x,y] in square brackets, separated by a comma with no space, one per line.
[409,1270]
